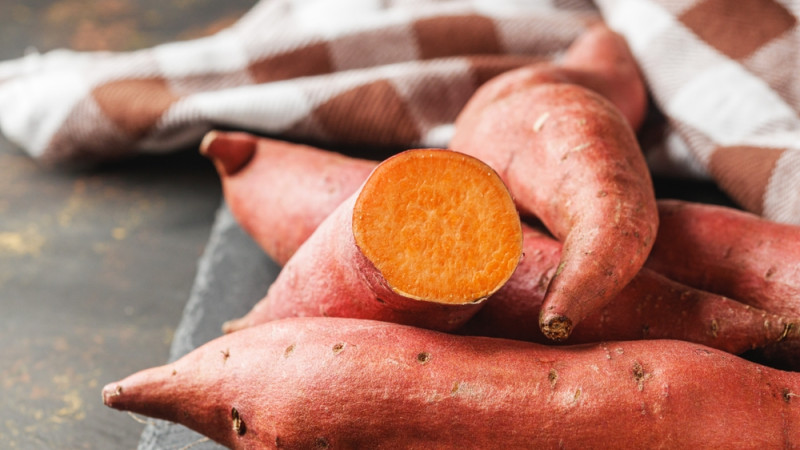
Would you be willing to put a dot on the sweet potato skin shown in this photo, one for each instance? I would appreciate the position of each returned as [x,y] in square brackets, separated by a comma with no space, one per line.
[737,254]
[649,307]
[561,135]
[346,383]
[730,252]
[570,159]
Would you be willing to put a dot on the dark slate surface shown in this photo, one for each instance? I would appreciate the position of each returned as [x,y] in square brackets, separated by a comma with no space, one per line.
[96,264]
[232,276]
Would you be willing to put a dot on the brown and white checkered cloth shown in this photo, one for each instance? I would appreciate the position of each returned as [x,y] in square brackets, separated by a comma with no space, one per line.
[394,74]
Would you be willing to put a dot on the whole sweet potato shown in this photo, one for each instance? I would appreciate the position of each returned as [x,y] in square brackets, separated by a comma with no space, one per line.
[734,253]
[651,306]
[731,252]
[558,136]
[570,158]
[348,383]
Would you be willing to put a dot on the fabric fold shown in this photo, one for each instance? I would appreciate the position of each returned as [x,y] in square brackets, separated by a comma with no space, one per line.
[393,75]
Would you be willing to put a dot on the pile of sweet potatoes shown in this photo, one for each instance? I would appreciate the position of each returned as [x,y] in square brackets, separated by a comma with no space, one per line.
[523,289]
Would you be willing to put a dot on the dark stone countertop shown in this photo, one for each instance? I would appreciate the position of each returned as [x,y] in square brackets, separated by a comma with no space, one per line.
[96,265]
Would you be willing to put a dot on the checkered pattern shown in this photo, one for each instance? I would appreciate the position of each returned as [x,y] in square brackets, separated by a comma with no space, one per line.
[725,75]
[393,74]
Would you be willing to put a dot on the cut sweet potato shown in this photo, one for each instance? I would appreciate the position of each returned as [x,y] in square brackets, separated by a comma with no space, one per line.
[428,237]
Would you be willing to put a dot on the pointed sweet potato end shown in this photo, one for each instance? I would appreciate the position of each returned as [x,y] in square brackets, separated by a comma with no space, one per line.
[229,151]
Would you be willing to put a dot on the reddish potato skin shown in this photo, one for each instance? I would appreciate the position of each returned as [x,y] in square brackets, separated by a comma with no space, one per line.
[348,383]
[268,193]
[561,135]
[737,254]
[730,252]
[649,307]
[570,159]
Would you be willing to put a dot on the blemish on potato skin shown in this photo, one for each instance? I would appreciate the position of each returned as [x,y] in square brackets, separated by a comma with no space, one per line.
[787,329]
[770,272]
[423,357]
[714,328]
[539,124]
[560,268]
[321,442]
[237,423]
[288,351]
[225,354]
[338,347]
[552,377]
[639,375]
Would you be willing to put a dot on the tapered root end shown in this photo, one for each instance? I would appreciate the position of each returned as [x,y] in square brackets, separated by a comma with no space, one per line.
[111,393]
[556,327]
[229,151]
[440,226]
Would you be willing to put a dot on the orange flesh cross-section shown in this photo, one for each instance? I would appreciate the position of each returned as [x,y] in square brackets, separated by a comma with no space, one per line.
[439,226]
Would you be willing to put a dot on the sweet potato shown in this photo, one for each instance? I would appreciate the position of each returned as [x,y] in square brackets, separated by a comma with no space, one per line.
[730,252]
[734,253]
[349,383]
[649,307]
[428,237]
[570,159]
[263,185]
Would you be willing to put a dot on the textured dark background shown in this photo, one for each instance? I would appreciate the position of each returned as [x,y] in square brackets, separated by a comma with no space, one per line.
[96,265]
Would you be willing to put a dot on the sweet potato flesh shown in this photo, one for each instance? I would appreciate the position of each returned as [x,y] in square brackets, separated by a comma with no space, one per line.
[438,225]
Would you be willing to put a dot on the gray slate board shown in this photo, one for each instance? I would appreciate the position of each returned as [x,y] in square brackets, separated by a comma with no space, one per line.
[232,275]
